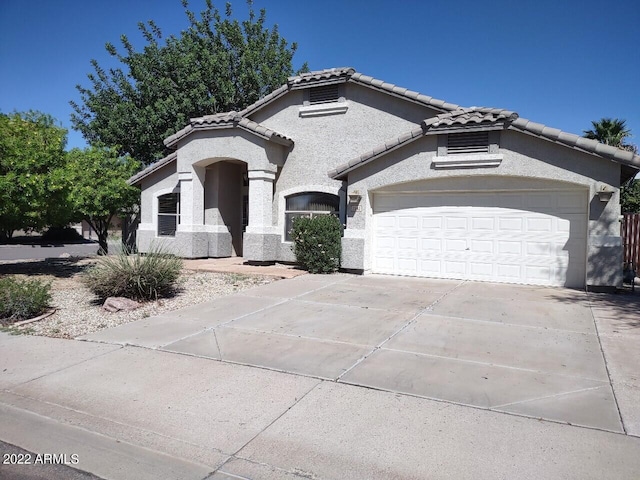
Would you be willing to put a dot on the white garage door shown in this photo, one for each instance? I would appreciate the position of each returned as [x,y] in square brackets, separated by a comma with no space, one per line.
[530,237]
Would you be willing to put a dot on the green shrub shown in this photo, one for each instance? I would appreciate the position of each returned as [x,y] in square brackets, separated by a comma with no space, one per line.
[23,299]
[316,243]
[135,276]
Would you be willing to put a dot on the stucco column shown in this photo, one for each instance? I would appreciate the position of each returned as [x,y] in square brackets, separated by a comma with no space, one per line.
[261,201]
[191,241]
[185,180]
[260,241]
[192,200]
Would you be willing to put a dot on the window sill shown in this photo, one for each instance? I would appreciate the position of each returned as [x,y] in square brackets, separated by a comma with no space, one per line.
[333,108]
[474,160]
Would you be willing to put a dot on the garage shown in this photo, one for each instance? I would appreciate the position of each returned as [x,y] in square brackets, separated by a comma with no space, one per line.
[535,237]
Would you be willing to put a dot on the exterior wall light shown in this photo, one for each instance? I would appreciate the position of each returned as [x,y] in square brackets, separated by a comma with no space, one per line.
[605,193]
[355,196]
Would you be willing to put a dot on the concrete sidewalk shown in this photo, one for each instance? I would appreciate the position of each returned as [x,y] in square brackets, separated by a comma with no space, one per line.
[238,265]
[165,409]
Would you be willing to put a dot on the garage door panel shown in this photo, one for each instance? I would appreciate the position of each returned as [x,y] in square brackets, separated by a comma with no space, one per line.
[386,222]
[455,245]
[539,224]
[483,236]
[434,223]
[431,267]
[509,272]
[510,247]
[481,269]
[431,245]
[386,243]
[456,223]
[511,224]
[406,243]
[482,246]
[545,249]
[407,222]
[455,268]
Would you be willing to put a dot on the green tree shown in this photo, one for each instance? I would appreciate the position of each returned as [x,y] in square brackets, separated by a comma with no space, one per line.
[614,132]
[611,131]
[630,197]
[217,64]
[97,179]
[32,166]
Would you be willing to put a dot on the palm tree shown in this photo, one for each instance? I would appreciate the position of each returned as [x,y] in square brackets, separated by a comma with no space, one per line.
[611,131]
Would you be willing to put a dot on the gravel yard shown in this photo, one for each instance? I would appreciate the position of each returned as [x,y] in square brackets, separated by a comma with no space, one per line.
[79,312]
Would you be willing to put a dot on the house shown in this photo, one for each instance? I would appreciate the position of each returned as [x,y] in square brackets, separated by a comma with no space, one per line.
[424,187]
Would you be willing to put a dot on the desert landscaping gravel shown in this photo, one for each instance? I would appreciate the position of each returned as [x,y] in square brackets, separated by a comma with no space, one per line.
[79,312]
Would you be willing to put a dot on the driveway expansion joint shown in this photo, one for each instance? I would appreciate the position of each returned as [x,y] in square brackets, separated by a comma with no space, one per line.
[297,401]
[488,364]
[284,300]
[545,397]
[402,328]
[606,366]
[484,409]
[118,347]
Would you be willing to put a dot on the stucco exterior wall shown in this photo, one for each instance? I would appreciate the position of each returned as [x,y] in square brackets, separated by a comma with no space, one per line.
[160,182]
[325,141]
[165,180]
[203,148]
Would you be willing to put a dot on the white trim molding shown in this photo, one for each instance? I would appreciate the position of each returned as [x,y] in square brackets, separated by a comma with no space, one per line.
[333,108]
[481,160]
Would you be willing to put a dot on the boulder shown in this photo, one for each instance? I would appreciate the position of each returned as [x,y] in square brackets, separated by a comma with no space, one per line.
[116,304]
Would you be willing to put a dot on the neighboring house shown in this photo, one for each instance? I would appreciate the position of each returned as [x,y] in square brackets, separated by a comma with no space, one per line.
[424,187]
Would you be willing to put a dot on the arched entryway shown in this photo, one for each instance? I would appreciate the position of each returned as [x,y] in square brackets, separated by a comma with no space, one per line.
[226,190]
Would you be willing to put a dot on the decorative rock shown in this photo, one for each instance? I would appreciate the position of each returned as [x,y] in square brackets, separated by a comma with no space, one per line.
[115,304]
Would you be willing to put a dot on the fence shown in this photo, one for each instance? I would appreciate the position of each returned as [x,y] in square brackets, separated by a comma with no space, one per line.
[631,238]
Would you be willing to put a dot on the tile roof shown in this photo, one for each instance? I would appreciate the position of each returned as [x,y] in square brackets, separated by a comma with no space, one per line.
[306,80]
[478,115]
[470,116]
[228,120]
[152,168]
[576,141]
[344,75]
[402,92]
[319,77]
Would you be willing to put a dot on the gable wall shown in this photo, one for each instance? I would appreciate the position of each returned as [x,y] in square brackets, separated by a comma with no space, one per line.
[202,147]
[324,142]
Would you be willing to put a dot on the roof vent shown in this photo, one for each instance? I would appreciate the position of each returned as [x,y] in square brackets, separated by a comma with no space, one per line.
[324,94]
[468,142]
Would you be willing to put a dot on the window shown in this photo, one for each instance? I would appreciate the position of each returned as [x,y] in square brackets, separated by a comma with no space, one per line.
[324,94]
[471,142]
[168,214]
[309,204]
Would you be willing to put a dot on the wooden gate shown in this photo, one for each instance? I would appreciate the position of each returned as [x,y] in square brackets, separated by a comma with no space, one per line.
[631,238]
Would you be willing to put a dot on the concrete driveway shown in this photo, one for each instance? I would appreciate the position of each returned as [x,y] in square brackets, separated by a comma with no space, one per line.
[358,377]
[521,350]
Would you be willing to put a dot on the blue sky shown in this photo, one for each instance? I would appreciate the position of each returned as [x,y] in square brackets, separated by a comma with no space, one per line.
[561,63]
